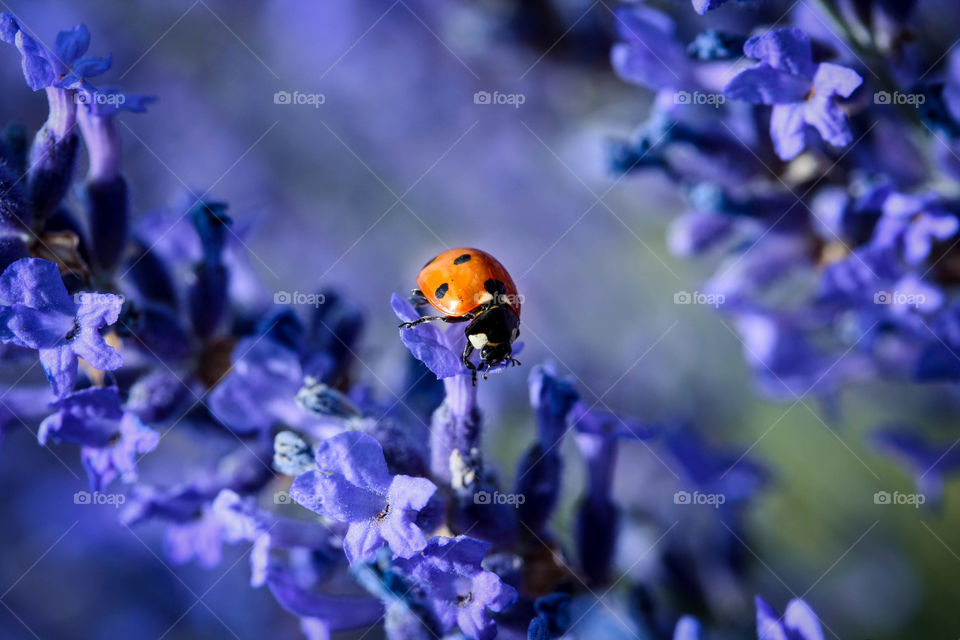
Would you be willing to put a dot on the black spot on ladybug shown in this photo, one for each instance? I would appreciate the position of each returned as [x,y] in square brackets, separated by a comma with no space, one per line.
[430,262]
[442,290]
[495,287]
[464,258]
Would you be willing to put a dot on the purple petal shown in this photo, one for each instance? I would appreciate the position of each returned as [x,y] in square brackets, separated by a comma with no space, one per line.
[336,498]
[98,309]
[315,628]
[71,44]
[60,365]
[90,417]
[406,497]
[828,118]
[786,130]
[339,612]
[785,49]
[475,623]
[104,464]
[91,346]
[768,622]
[35,283]
[800,619]
[489,590]
[403,308]
[35,329]
[650,53]
[198,539]
[762,84]
[260,389]
[358,458]
[37,69]
[833,79]
[927,228]
[427,343]
[362,541]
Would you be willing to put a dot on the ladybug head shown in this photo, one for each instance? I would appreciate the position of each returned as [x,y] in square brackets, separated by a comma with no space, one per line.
[492,354]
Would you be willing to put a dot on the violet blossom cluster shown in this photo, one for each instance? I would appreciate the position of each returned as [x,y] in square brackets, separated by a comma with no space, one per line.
[817,147]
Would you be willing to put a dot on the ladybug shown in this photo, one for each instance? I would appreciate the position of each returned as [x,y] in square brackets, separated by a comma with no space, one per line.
[470,285]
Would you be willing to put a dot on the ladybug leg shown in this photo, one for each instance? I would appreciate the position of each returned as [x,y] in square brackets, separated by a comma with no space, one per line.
[465,358]
[448,319]
[417,298]
[421,320]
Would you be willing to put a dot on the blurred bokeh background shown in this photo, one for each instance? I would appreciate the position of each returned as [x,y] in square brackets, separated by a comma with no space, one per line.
[398,163]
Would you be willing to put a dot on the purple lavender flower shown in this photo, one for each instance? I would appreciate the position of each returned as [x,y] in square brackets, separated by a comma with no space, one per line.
[801,92]
[62,72]
[457,589]
[352,485]
[112,439]
[799,622]
[65,67]
[41,315]
[913,224]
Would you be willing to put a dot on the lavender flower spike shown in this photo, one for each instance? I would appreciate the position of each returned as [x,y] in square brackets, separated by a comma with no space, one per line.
[42,315]
[801,92]
[540,470]
[598,517]
[61,72]
[455,425]
[352,485]
[106,190]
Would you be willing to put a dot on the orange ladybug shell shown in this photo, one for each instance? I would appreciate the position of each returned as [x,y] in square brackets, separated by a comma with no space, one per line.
[459,280]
